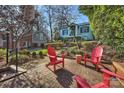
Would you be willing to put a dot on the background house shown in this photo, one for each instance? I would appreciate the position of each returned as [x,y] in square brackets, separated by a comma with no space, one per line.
[80,30]
[29,40]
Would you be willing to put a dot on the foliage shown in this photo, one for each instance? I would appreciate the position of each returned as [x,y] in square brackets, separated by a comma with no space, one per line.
[25,52]
[2,53]
[44,51]
[74,50]
[41,54]
[21,59]
[56,45]
[34,54]
[71,38]
[88,46]
[107,23]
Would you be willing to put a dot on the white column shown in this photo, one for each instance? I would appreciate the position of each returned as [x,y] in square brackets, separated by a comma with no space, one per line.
[76,30]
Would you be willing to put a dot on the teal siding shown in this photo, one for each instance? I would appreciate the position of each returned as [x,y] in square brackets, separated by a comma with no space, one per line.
[84,31]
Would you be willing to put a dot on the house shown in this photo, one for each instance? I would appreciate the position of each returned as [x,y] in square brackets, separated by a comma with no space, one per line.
[80,30]
[32,39]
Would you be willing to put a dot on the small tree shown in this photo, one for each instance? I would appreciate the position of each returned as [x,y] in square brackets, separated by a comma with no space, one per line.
[107,23]
[72,27]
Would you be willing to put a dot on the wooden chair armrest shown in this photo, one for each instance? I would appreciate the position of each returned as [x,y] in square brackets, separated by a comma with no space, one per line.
[82,82]
[51,56]
[112,74]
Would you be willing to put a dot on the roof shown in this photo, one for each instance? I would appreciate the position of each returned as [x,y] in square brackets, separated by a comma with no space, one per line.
[84,23]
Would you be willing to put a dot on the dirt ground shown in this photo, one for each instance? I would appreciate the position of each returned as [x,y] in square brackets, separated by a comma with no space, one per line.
[39,76]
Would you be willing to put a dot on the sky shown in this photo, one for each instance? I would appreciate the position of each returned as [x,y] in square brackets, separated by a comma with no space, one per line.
[81,18]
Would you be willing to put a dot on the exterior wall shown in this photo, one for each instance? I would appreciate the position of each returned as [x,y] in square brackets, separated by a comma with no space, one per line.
[3,42]
[85,35]
[38,39]
[27,38]
[68,30]
[26,41]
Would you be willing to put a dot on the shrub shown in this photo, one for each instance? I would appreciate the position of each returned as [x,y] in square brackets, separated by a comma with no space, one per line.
[34,54]
[41,54]
[55,45]
[89,45]
[28,53]
[73,52]
[44,51]
[78,38]
[21,59]
[2,53]
[25,52]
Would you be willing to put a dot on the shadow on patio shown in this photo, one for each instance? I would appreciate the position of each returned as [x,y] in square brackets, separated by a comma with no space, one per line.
[64,77]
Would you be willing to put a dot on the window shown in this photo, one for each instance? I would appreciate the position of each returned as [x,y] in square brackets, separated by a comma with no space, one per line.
[4,36]
[25,44]
[41,36]
[84,29]
[64,32]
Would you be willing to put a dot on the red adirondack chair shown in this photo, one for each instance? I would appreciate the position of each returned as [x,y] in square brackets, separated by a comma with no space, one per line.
[95,56]
[82,83]
[53,57]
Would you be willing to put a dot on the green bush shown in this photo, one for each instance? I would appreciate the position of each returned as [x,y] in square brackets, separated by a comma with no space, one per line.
[78,38]
[65,39]
[2,53]
[28,53]
[56,45]
[21,59]
[44,51]
[25,52]
[41,54]
[73,52]
[89,45]
[34,54]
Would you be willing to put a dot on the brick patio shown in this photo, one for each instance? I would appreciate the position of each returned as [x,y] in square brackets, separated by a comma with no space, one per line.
[38,75]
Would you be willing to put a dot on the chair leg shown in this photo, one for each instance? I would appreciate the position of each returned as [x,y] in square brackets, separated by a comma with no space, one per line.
[47,65]
[97,67]
[63,64]
[85,63]
[54,67]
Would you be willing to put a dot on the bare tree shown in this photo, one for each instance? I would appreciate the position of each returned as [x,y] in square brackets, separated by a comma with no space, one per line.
[18,21]
[40,25]
[65,16]
[50,12]
[14,20]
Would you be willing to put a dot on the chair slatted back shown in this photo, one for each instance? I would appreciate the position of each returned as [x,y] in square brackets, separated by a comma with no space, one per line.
[51,52]
[97,54]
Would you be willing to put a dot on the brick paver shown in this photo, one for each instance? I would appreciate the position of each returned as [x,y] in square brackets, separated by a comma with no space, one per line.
[38,75]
